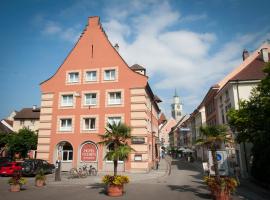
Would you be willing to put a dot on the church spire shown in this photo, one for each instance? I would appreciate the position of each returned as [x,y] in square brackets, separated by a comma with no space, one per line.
[175,93]
[176,106]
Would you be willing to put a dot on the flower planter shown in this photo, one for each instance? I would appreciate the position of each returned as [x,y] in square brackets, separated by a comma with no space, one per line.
[115,190]
[40,183]
[222,195]
[15,188]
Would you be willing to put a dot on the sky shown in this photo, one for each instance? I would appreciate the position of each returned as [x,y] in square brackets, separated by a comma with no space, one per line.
[184,45]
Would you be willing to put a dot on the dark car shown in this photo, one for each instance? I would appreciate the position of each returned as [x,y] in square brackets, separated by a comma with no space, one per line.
[32,166]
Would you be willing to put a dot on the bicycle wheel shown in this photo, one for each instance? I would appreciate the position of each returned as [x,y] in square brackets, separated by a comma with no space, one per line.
[93,172]
[73,173]
[83,174]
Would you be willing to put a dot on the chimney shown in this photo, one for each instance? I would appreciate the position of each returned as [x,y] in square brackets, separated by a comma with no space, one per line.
[116,46]
[264,53]
[245,54]
[34,107]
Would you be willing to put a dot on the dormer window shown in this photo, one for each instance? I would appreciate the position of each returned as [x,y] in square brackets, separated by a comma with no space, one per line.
[73,77]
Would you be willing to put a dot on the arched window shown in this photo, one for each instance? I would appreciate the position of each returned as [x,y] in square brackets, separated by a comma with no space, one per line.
[66,151]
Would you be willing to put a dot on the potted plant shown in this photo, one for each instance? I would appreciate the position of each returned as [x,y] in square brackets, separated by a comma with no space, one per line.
[40,178]
[16,182]
[213,137]
[116,136]
[221,191]
[115,184]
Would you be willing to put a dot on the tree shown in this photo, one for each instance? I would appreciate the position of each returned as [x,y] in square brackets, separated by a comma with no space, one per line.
[22,142]
[251,123]
[116,136]
[4,138]
[213,136]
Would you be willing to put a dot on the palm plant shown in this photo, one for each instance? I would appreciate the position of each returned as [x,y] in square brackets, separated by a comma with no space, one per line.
[117,136]
[213,136]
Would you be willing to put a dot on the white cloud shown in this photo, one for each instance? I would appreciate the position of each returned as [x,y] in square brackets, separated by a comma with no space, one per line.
[52,28]
[192,18]
[173,57]
[180,58]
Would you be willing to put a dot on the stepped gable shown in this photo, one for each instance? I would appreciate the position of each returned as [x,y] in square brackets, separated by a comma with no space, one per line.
[89,52]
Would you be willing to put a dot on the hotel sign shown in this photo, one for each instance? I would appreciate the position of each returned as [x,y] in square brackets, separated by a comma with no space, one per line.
[137,140]
[88,153]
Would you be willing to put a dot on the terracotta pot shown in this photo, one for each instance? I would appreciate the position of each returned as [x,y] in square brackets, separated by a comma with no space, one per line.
[15,188]
[222,195]
[40,183]
[115,190]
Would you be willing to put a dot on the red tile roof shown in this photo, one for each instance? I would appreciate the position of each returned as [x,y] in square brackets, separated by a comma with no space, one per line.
[9,122]
[162,119]
[28,113]
[253,71]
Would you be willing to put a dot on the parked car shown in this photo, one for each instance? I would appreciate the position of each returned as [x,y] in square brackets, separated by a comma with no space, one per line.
[4,160]
[32,166]
[9,168]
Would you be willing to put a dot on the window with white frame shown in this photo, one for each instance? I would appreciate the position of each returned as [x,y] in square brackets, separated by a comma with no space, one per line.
[67,152]
[67,100]
[90,99]
[91,76]
[66,124]
[73,77]
[109,75]
[114,98]
[89,123]
[114,120]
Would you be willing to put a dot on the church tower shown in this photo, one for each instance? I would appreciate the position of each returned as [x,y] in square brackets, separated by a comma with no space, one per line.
[177,107]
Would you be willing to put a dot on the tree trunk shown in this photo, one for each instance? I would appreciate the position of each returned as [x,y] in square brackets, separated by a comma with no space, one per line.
[115,163]
[214,156]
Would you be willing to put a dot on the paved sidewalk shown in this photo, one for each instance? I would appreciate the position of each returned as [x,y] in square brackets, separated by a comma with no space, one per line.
[247,189]
[135,177]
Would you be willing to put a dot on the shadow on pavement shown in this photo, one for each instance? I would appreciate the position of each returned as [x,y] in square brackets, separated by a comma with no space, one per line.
[98,186]
[184,165]
[187,188]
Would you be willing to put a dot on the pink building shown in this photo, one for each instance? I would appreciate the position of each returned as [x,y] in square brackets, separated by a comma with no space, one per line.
[95,86]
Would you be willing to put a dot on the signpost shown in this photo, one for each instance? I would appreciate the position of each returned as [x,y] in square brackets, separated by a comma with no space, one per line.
[222,163]
[88,153]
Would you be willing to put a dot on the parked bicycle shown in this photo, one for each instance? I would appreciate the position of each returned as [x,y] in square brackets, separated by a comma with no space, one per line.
[77,173]
[91,171]
[82,172]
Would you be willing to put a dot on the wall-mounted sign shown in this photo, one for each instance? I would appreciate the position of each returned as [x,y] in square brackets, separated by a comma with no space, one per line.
[137,140]
[138,157]
[88,152]
[222,163]
[184,129]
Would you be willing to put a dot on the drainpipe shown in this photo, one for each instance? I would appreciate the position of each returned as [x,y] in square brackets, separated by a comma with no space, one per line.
[152,130]
[238,99]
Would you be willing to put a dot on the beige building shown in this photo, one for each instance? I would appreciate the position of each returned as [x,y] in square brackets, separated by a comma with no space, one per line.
[234,88]
[27,118]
